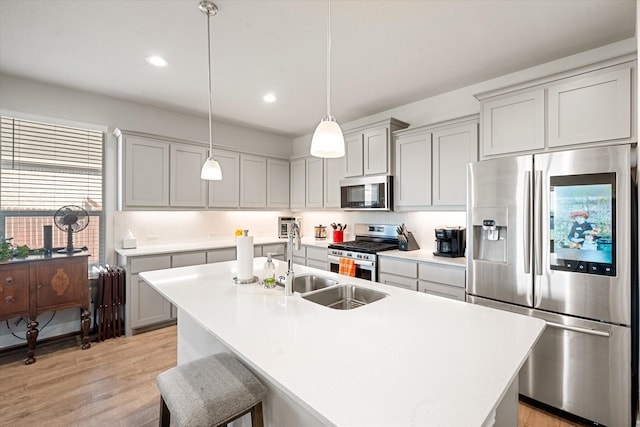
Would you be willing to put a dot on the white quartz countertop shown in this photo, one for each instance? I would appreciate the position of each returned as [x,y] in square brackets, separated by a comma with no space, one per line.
[410,359]
[197,245]
[424,255]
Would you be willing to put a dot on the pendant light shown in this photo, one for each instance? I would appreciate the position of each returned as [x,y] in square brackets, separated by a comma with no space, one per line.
[211,169]
[328,140]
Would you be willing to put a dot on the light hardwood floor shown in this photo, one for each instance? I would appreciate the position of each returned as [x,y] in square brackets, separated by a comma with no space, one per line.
[112,383]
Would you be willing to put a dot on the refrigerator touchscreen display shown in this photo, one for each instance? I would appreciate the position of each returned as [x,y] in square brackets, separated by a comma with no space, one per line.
[582,223]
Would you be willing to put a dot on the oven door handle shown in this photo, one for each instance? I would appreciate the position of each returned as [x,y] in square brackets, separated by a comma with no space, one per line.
[357,261]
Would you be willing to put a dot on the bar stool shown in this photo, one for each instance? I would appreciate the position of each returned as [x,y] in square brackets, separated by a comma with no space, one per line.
[211,391]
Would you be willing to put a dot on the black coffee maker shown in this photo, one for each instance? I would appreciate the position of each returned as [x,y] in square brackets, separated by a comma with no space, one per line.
[450,241]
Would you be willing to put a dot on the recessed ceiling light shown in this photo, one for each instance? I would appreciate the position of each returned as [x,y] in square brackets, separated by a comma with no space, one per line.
[269,98]
[158,61]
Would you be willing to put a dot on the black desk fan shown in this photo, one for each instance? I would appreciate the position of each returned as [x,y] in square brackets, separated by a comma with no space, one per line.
[71,219]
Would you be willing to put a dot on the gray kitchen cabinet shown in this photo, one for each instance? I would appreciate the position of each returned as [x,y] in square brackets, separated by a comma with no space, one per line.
[333,174]
[279,250]
[398,272]
[513,123]
[185,259]
[453,147]
[147,306]
[253,181]
[369,149]
[300,255]
[354,152]
[298,184]
[221,255]
[413,169]
[314,191]
[442,280]
[431,164]
[143,172]
[317,257]
[226,193]
[186,188]
[278,184]
[589,106]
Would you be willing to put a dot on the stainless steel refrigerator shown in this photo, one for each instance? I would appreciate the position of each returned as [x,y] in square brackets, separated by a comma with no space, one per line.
[554,236]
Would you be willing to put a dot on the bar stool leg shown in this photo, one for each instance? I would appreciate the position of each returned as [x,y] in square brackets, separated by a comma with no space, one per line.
[165,415]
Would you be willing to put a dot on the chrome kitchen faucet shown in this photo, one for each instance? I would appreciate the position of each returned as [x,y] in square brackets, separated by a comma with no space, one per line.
[293,242]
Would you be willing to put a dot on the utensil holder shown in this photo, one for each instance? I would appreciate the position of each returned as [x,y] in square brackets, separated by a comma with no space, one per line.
[410,244]
[338,236]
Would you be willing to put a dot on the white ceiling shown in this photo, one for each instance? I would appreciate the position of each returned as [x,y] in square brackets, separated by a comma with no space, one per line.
[385,53]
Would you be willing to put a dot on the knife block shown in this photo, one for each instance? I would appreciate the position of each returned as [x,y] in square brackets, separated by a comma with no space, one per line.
[410,244]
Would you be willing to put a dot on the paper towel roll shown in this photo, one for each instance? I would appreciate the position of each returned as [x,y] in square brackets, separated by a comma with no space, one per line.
[245,257]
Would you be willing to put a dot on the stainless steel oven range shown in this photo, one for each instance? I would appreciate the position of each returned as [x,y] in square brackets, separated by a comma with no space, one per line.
[370,239]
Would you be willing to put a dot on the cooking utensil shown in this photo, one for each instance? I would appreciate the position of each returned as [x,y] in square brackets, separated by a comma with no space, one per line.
[334,226]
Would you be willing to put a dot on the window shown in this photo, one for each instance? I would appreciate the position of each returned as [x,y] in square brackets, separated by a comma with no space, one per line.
[43,168]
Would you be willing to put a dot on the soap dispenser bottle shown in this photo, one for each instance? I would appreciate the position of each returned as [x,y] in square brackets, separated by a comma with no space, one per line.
[269,273]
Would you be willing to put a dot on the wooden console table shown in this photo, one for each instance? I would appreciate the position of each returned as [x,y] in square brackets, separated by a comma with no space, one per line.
[35,284]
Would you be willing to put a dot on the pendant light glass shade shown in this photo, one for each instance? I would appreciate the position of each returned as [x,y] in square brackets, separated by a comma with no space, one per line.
[327,140]
[211,169]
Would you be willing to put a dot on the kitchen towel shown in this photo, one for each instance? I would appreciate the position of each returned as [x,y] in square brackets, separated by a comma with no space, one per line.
[245,257]
[347,267]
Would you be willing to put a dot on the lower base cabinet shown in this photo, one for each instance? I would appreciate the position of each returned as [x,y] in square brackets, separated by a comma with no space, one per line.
[429,277]
[147,307]
[442,280]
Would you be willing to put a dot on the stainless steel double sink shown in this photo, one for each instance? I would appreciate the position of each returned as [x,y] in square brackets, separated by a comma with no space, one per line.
[327,292]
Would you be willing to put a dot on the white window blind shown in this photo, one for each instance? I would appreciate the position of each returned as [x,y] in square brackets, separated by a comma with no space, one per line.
[47,166]
[44,167]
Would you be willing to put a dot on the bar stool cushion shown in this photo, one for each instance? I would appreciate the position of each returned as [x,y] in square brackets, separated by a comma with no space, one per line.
[209,391]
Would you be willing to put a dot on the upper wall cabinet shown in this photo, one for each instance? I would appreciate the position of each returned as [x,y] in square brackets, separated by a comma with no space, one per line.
[277,184]
[226,193]
[314,182]
[454,147]
[590,106]
[431,164]
[186,189]
[253,181]
[513,123]
[298,184]
[369,149]
[156,172]
[143,172]
[333,174]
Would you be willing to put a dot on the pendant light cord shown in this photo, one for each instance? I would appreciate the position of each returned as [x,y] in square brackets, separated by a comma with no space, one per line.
[209,77]
[328,58]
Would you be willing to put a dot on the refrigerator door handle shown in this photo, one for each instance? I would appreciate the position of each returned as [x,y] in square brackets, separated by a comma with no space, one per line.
[596,332]
[537,204]
[527,223]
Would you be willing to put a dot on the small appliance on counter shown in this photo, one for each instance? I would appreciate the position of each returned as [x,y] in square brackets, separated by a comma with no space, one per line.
[285,223]
[450,241]
[320,232]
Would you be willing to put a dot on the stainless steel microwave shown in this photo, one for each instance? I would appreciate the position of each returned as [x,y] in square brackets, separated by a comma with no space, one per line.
[367,193]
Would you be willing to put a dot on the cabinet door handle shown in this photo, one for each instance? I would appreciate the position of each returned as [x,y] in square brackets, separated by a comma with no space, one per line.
[9,280]
[10,300]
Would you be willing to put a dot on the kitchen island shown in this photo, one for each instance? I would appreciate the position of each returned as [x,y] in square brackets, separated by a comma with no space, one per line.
[409,359]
